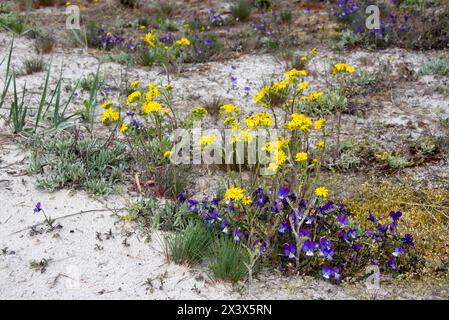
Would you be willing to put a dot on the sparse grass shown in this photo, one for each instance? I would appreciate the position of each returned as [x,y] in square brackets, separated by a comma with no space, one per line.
[78,163]
[33,65]
[228,260]
[14,24]
[436,67]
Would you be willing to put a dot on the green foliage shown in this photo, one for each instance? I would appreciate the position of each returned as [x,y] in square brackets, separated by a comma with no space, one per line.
[78,163]
[164,215]
[14,24]
[286,16]
[428,145]
[330,102]
[229,260]
[191,245]
[242,9]
[435,67]
[349,39]
[19,110]
[349,155]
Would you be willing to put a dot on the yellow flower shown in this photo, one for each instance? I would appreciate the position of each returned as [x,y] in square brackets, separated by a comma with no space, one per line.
[321,144]
[247,201]
[313,96]
[303,85]
[281,157]
[260,96]
[301,156]
[167,154]
[134,84]
[183,42]
[199,111]
[206,140]
[281,85]
[168,87]
[303,59]
[230,108]
[106,105]
[261,119]
[151,106]
[153,91]
[68,3]
[322,192]
[110,115]
[313,52]
[342,67]
[234,193]
[299,121]
[133,97]
[142,27]
[150,39]
[165,111]
[124,127]
[319,124]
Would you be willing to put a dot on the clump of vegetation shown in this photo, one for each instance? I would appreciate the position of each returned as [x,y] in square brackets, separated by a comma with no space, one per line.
[229,260]
[191,245]
[241,9]
[435,67]
[67,161]
[33,65]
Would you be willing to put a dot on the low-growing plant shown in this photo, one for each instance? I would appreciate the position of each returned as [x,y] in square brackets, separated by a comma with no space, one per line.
[15,24]
[67,161]
[229,260]
[33,65]
[191,245]
[435,67]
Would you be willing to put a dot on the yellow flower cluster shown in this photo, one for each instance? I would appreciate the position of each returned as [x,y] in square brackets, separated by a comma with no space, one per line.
[342,67]
[243,135]
[183,42]
[235,193]
[293,75]
[110,115]
[319,124]
[299,121]
[313,96]
[150,39]
[133,97]
[261,119]
[232,122]
[206,140]
[199,111]
[151,106]
[229,109]
[301,156]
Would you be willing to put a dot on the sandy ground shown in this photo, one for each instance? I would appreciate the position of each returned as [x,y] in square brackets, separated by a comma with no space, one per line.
[89,257]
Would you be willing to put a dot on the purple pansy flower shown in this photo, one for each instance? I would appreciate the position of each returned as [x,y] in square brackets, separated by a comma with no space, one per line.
[289,250]
[236,234]
[309,248]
